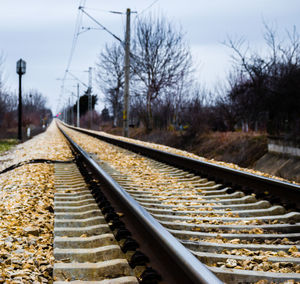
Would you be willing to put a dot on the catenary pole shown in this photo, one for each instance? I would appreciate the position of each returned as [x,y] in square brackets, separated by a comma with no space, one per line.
[126,75]
[69,110]
[72,111]
[90,98]
[78,110]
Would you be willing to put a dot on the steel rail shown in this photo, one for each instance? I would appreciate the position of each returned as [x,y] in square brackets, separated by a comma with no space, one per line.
[276,191]
[188,267]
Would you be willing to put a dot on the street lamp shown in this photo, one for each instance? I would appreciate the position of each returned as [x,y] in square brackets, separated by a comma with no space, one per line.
[21,69]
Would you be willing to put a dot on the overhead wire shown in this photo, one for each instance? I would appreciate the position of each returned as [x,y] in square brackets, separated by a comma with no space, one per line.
[102,26]
[81,11]
[78,23]
[145,9]
[104,11]
[76,78]
[154,2]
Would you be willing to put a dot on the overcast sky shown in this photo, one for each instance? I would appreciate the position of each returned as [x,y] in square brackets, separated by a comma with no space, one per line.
[41,33]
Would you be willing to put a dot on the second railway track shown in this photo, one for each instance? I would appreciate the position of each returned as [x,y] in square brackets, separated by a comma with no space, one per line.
[240,238]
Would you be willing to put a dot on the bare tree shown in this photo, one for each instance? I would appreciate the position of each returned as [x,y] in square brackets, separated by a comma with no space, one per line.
[34,108]
[34,100]
[110,77]
[161,59]
[4,100]
[1,71]
[3,105]
[265,88]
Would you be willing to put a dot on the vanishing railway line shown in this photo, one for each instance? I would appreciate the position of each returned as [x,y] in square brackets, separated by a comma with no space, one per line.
[243,230]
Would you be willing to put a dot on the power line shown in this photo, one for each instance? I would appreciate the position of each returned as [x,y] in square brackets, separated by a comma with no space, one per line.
[73,46]
[148,7]
[116,12]
[77,32]
[103,27]
[123,24]
[75,37]
[104,11]
[86,29]
[145,9]
[107,30]
[76,78]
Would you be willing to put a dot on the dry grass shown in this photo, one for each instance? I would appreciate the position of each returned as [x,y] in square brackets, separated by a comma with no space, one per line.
[232,147]
[243,149]
[6,144]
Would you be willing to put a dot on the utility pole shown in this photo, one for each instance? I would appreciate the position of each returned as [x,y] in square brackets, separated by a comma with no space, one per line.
[78,114]
[67,114]
[126,75]
[90,98]
[72,111]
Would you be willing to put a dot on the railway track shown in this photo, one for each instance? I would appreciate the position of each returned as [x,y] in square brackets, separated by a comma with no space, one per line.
[241,238]
[84,246]
[96,245]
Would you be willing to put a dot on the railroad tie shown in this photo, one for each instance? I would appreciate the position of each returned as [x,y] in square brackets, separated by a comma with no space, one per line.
[243,227]
[177,222]
[85,250]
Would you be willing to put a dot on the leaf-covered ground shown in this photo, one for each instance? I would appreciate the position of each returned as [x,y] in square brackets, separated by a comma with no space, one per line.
[26,224]
[143,175]
[48,145]
[26,209]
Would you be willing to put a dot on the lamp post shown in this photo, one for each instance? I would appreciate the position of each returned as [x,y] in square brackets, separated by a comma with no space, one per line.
[21,69]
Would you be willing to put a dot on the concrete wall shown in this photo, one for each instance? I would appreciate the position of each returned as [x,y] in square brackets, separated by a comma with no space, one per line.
[283,147]
[282,159]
